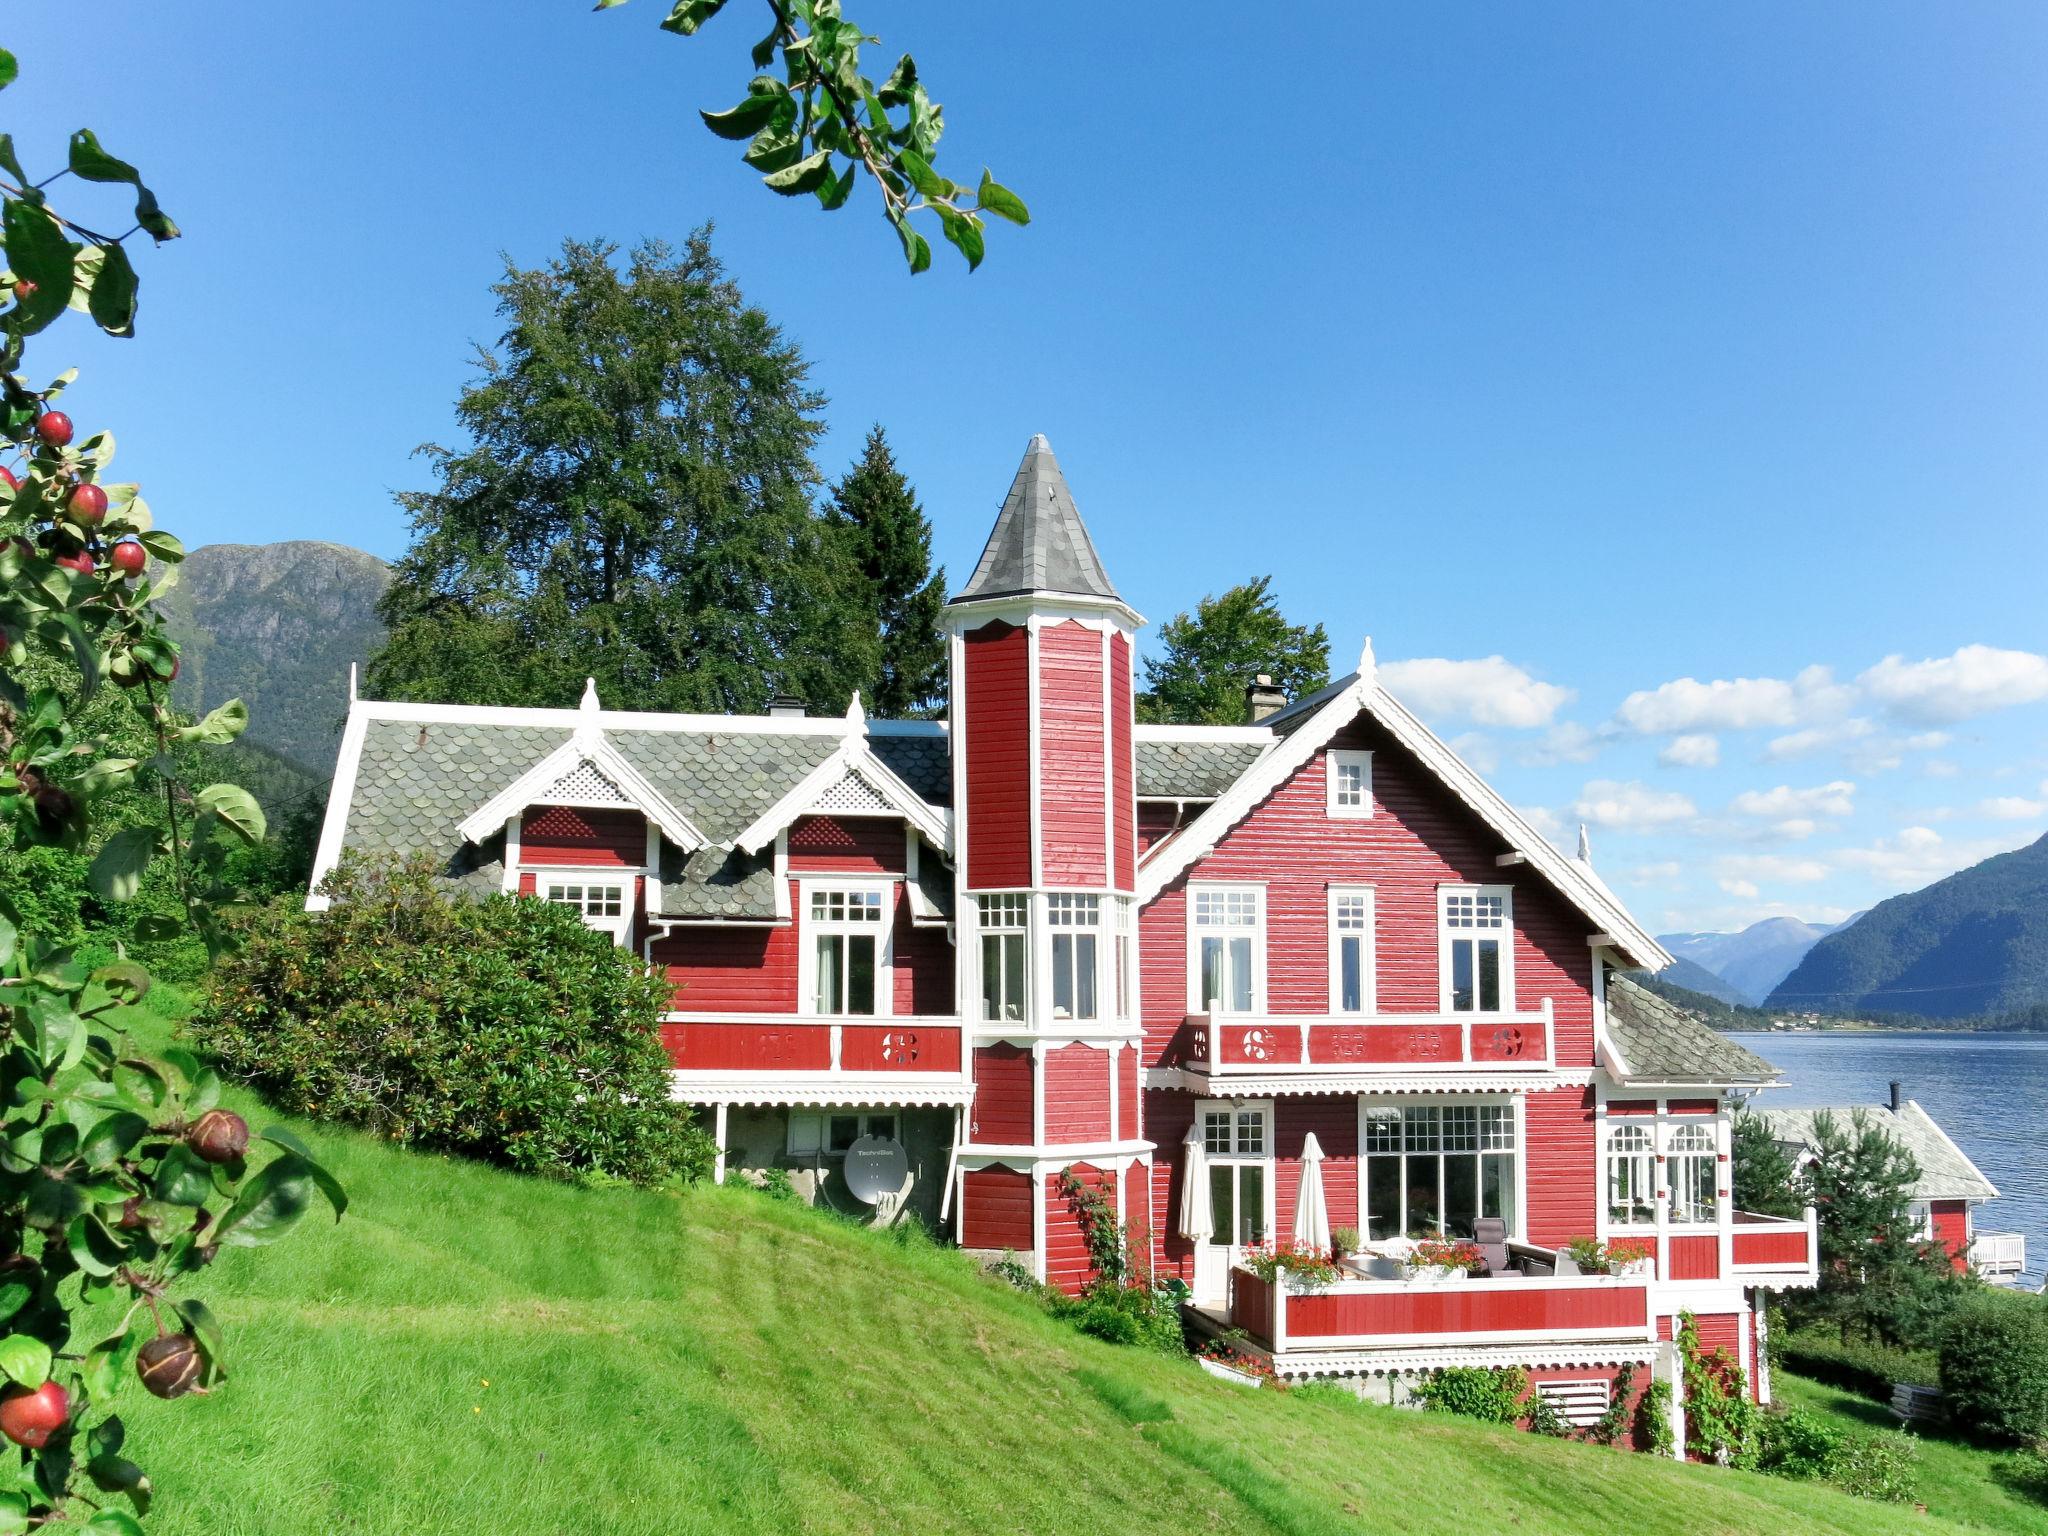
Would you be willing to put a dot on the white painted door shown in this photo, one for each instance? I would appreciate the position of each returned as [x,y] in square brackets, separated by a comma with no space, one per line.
[1237,1142]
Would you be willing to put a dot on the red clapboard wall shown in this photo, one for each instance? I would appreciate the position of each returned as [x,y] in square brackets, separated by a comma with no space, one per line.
[1419,837]
[997,737]
[1334,1119]
[1167,1118]
[1951,1222]
[1694,1258]
[1127,1091]
[1077,1094]
[1066,1242]
[556,835]
[924,966]
[1122,763]
[1002,1096]
[995,1209]
[1559,1160]
[1072,763]
[848,845]
[717,969]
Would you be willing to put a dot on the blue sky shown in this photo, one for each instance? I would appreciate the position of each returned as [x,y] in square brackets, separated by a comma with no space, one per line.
[1663,385]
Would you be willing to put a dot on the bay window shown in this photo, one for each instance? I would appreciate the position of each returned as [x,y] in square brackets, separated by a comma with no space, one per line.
[1236,1140]
[1004,924]
[1073,921]
[1227,939]
[1433,1170]
[1351,950]
[1695,1171]
[1475,941]
[1631,1177]
[848,946]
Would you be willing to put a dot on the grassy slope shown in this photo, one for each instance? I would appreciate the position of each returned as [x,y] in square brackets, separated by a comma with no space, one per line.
[1994,1490]
[716,1362]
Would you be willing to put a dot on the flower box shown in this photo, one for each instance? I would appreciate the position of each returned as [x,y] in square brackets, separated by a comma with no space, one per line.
[1224,1372]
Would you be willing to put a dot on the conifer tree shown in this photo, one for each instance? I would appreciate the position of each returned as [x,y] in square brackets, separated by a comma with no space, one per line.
[889,540]
[1211,654]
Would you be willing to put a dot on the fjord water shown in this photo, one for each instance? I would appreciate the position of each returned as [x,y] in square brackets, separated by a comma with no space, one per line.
[1987,1091]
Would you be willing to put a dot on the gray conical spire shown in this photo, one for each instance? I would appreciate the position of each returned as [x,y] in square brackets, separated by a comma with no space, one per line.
[1038,544]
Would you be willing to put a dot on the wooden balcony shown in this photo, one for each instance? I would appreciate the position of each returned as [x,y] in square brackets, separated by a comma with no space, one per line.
[1283,1044]
[2000,1257]
[1775,1250]
[725,1055]
[1353,1315]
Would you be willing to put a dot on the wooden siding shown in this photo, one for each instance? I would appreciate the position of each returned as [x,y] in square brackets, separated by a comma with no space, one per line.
[1123,785]
[1156,819]
[1066,1244]
[1419,837]
[1951,1222]
[1002,1096]
[1334,1119]
[1457,1309]
[847,845]
[748,1047]
[1562,1177]
[997,737]
[924,966]
[1072,768]
[901,1046]
[730,970]
[1694,1258]
[1077,1095]
[995,1209]
[557,835]
[1138,1209]
[1771,1246]
[1127,1092]
[1167,1117]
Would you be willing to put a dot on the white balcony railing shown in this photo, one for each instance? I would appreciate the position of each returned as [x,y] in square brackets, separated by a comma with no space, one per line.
[1241,1044]
[1999,1255]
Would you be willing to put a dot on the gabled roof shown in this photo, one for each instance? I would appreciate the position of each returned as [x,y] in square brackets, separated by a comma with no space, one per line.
[1946,1172]
[566,776]
[1039,543]
[1655,1041]
[852,779]
[1190,763]
[1306,727]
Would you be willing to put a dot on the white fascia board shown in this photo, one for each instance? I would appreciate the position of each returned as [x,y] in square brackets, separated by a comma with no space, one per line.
[1020,607]
[856,758]
[636,720]
[523,791]
[1147,731]
[340,794]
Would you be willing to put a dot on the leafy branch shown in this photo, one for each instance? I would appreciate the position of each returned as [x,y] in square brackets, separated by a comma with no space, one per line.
[824,124]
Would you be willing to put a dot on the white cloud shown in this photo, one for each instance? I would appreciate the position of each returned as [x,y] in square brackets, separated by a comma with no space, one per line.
[1940,768]
[1565,742]
[1973,681]
[1631,806]
[1793,828]
[1918,855]
[1742,890]
[1488,691]
[1737,704]
[1477,750]
[1833,799]
[1816,738]
[1665,872]
[1695,750]
[2012,808]
[1544,820]
[1771,867]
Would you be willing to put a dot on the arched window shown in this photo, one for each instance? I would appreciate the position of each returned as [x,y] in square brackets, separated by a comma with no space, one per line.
[1693,1174]
[1631,1177]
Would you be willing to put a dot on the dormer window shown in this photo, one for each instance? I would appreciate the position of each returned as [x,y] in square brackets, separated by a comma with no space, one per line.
[605,905]
[1350,782]
[848,949]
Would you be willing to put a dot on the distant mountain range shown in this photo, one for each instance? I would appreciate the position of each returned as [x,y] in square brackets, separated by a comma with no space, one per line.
[1747,965]
[1973,944]
[276,625]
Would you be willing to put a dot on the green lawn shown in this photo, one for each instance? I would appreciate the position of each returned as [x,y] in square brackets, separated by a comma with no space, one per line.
[1971,1486]
[475,1352]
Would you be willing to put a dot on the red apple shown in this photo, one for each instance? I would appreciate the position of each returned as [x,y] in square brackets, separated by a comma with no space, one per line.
[80,562]
[129,557]
[54,428]
[88,504]
[30,1418]
[24,289]
[9,476]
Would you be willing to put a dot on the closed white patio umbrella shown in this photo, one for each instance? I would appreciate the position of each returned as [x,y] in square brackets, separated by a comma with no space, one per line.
[1311,1210]
[1197,1223]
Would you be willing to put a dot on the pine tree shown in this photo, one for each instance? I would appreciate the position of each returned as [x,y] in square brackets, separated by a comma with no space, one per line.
[889,541]
[1212,654]
[636,505]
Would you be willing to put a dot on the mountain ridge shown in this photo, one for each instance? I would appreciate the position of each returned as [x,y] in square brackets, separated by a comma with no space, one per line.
[1752,961]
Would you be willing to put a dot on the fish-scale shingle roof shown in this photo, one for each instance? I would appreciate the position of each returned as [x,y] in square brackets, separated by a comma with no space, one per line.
[1192,770]
[1660,1042]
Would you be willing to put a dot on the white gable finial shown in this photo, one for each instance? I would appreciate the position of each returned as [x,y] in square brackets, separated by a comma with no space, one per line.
[1585,847]
[589,703]
[856,717]
[351,682]
[1368,666]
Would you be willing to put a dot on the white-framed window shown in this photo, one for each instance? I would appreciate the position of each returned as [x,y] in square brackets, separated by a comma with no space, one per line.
[605,904]
[1350,783]
[1476,948]
[1074,922]
[830,1133]
[846,954]
[1631,1177]
[1351,950]
[1227,939]
[1124,911]
[1694,1170]
[1237,1142]
[1005,923]
[1435,1169]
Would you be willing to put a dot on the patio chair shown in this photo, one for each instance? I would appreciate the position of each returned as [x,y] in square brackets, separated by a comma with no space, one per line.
[1490,1233]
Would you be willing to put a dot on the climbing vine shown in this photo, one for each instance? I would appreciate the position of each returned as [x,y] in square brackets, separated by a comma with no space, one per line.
[1720,1419]
[1108,1243]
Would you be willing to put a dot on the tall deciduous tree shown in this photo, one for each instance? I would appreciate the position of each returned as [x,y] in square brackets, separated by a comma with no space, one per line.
[1211,654]
[889,540]
[636,504]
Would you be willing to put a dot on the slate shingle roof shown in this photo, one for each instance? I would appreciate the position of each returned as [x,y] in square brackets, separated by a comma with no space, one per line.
[1038,543]
[1945,1173]
[1662,1043]
[1193,770]
[920,761]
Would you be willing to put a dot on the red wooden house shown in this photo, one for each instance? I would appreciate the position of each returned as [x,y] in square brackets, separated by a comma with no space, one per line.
[1036,936]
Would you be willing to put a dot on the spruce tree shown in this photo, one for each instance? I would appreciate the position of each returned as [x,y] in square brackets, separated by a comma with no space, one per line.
[636,504]
[889,541]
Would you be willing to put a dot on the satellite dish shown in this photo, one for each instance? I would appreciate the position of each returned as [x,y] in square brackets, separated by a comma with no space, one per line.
[876,1167]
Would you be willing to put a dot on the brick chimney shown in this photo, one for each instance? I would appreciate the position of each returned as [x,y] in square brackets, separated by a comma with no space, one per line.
[1262,698]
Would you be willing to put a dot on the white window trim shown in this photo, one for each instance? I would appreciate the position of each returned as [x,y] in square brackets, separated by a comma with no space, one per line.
[820,1119]
[1097,930]
[1668,1155]
[1194,942]
[1268,1160]
[1444,935]
[607,875]
[969,959]
[885,951]
[1368,979]
[1515,1103]
[1347,758]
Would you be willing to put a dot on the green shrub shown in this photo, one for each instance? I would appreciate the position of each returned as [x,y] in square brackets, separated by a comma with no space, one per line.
[1994,1367]
[501,1029]
[1868,1369]
[1796,1443]
[1883,1464]
[1477,1392]
[1124,1314]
